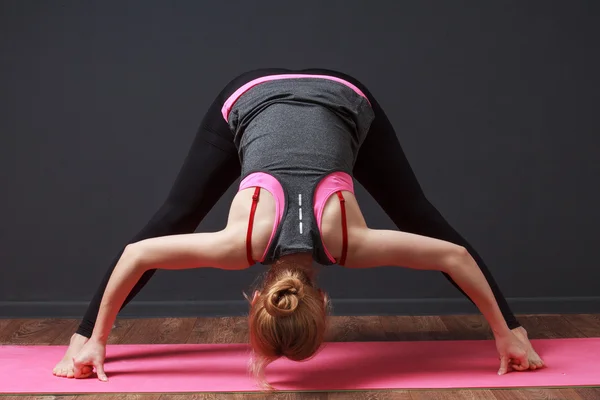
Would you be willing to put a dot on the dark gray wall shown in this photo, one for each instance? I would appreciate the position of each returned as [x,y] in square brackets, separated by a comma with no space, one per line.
[495,103]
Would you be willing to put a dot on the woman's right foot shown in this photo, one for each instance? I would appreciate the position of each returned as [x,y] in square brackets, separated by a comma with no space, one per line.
[535,361]
[65,367]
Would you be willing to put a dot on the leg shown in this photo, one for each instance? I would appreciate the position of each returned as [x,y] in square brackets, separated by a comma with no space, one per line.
[380,157]
[206,174]
[210,167]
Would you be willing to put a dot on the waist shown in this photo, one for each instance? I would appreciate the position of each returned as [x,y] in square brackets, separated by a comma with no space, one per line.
[227,106]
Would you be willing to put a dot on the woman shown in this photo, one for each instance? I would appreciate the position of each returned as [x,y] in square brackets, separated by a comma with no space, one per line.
[297,139]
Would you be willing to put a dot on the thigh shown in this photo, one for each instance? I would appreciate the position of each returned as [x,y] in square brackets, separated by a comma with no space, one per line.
[211,166]
[209,169]
[383,169]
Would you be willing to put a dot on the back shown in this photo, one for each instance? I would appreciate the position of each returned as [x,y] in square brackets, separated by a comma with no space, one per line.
[300,132]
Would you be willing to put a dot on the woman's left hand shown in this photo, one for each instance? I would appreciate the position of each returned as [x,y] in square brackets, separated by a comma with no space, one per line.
[512,352]
[91,356]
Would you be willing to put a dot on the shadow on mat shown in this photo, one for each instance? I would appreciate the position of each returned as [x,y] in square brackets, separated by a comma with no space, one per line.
[158,352]
[348,370]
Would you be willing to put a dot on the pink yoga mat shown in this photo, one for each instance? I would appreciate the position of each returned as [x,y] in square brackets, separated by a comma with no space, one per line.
[339,366]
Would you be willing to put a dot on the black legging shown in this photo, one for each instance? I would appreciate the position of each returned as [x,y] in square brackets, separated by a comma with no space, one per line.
[382,157]
[212,165]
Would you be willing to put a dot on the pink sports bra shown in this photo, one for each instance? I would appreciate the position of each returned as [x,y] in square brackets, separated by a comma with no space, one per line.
[332,183]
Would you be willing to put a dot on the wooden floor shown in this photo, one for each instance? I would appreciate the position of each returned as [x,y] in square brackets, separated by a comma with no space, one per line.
[235,330]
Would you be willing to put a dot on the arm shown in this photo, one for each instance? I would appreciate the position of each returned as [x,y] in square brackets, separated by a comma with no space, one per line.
[371,248]
[394,248]
[210,167]
[224,249]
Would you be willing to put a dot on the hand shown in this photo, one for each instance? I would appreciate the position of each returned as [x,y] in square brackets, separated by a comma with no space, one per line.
[91,356]
[512,352]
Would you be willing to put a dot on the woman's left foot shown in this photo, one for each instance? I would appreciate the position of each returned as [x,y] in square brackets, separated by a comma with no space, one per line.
[535,361]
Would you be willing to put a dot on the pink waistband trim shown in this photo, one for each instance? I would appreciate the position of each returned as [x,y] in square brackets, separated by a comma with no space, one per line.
[243,89]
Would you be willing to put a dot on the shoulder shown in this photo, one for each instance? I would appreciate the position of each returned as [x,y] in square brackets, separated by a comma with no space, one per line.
[263,220]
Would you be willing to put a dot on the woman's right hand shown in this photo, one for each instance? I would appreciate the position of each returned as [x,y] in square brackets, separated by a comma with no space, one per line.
[512,353]
[91,356]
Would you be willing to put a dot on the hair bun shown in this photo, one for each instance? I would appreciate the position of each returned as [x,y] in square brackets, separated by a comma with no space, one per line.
[284,296]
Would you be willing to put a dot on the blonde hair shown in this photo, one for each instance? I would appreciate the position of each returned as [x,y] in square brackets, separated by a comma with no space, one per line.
[288,319]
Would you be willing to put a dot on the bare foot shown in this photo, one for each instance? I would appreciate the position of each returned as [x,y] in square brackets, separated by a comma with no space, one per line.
[65,368]
[535,361]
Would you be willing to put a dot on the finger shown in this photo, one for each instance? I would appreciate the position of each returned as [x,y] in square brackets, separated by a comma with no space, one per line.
[524,361]
[76,368]
[519,367]
[100,372]
[503,366]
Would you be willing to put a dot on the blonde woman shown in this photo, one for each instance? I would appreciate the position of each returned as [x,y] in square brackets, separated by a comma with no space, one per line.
[297,139]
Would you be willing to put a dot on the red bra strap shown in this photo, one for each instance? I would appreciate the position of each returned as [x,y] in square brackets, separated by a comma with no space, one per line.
[250,224]
[344,229]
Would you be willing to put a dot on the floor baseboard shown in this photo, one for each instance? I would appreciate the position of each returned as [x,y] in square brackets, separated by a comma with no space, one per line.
[440,306]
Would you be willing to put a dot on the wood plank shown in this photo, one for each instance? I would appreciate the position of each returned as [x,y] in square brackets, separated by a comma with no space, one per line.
[467,327]
[277,396]
[121,329]
[462,394]
[37,397]
[117,396]
[4,323]
[158,331]
[510,394]
[342,329]
[193,396]
[220,330]
[561,394]
[588,393]
[588,324]
[371,395]
[197,396]
[64,337]
[409,328]
[549,327]
[536,394]
[32,331]
[273,396]
[355,329]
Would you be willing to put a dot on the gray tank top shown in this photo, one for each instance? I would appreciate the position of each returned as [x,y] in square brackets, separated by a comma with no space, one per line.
[299,131]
